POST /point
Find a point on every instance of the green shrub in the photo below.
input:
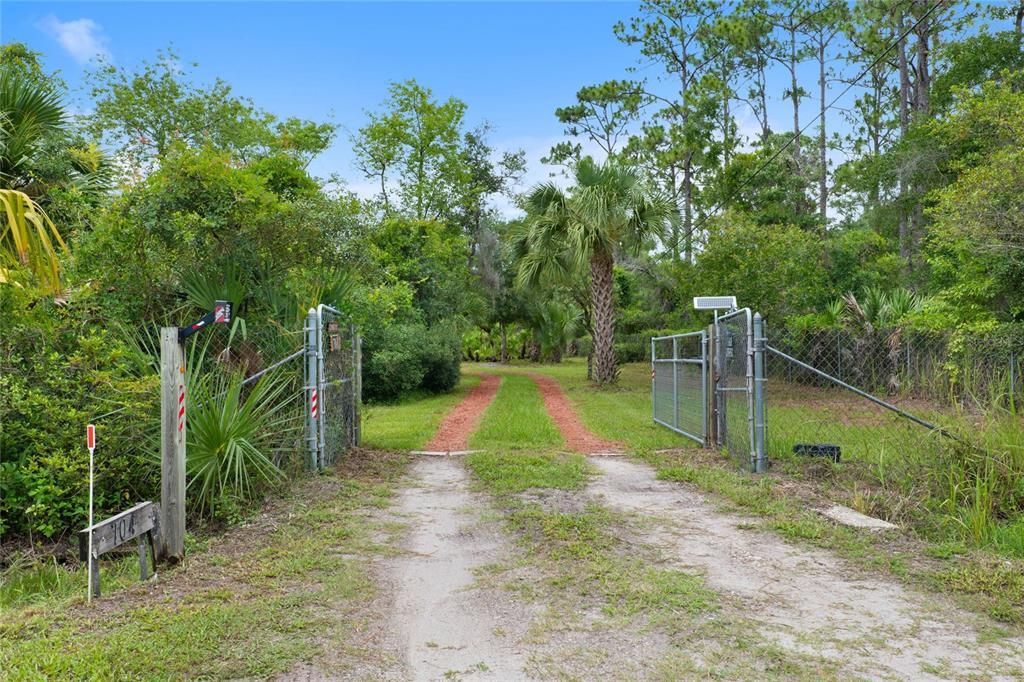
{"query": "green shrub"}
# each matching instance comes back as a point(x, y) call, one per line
point(391, 361)
point(59, 372)
point(441, 354)
point(403, 357)
point(233, 433)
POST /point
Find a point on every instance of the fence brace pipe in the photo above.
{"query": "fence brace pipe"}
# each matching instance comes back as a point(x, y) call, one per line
point(868, 396)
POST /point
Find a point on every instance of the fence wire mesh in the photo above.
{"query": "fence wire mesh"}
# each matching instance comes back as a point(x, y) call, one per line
point(678, 391)
point(918, 378)
point(338, 386)
point(734, 392)
point(972, 372)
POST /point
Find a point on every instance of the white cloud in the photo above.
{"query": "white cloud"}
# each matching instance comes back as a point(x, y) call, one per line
point(83, 38)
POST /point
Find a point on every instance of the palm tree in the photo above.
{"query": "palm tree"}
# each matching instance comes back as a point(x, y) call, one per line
point(28, 238)
point(609, 210)
point(28, 113)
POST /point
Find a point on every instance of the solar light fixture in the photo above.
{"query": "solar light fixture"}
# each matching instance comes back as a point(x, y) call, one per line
point(714, 303)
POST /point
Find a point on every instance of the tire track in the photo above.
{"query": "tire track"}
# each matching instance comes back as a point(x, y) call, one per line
point(455, 429)
point(577, 436)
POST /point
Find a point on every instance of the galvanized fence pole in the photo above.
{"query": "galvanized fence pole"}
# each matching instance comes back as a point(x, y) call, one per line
point(654, 392)
point(750, 390)
point(704, 385)
point(312, 392)
point(320, 386)
point(356, 386)
point(675, 381)
point(760, 458)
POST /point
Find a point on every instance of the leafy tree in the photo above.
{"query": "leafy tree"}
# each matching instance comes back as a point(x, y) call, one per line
point(415, 145)
point(431, 258)
point(426, 165)
point(674, 34)
point(767, 185)
point(602, 113)
point(774, 269)
point(609, 209)
point(976, 244)
point(145, 114)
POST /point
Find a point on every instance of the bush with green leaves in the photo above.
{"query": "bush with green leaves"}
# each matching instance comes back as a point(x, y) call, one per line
point(237, 435)
point(441, 357)
point(58, 372)
point(403, 357)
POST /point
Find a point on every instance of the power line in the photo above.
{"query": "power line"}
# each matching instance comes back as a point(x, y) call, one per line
point(721, 204)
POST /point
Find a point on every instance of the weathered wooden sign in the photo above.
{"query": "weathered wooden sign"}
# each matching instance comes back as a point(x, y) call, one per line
point(141, 522)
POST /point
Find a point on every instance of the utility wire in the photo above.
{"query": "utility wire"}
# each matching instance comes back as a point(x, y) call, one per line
point(721, 204)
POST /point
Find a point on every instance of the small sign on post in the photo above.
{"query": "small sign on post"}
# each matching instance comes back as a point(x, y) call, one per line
point(91, 572)
point(139, 523)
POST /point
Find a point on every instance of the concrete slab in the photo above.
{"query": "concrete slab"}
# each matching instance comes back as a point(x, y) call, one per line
point(854, 519)
point(443, 453)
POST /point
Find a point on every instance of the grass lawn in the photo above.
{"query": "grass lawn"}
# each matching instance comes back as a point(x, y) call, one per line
point(285, 588)
point(409, 424)
point(516, 419)
point(620, 413)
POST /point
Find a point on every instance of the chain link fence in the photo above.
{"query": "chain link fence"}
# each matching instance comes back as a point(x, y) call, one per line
point(969, 372)
point(333, 385)
point(865, 394)
point(679, 383)
point(878, 397)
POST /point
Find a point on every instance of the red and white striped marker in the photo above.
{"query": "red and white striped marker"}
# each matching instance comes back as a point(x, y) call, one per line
point(313, 403)
point(181, 407)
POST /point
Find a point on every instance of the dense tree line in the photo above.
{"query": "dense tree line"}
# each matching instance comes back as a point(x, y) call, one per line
point(897, 168)
point(174, 193)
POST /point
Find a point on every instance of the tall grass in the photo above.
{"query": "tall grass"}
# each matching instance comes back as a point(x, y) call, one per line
point(984, 498)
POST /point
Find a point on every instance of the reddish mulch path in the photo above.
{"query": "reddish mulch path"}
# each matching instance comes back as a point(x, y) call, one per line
point(577, 436)
point(454, 430)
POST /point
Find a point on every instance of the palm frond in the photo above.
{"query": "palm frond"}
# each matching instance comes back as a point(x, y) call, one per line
point(28, 112)
point(29, 238)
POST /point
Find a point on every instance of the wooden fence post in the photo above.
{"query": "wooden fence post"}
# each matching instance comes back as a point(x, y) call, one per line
point(172, 445)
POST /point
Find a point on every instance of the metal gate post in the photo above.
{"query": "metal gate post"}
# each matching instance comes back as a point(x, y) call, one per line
point(760, 457)
point(720, 419)
point(312, 393)
point(710, 362)
point(357, 393)
point(750, 392)
point(320, 384)
point(675, 382)
point(704, 384)
point(654, 392)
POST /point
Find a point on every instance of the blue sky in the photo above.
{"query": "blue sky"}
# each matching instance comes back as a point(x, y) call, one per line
point(512, 63)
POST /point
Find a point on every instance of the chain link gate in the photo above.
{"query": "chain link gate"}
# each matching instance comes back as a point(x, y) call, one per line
point(739, 387)
point(710, 387)
point(333, 371)
point(679, 383)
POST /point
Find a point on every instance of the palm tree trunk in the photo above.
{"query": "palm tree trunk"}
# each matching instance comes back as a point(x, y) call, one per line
point(605, 370)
